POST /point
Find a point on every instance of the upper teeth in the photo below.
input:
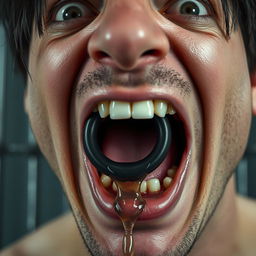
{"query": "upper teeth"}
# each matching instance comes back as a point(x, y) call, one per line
point(137, 110)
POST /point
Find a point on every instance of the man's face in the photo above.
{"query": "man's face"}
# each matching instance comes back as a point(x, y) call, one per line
point(96, 51)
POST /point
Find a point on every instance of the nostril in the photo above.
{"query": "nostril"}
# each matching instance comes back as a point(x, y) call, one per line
point(101, 55)
point(152, 53)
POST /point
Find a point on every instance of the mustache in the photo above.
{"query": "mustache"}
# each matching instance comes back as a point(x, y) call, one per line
point(157, 75)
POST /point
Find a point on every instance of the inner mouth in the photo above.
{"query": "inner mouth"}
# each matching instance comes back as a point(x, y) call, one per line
point(127, 140)
point(130, 140)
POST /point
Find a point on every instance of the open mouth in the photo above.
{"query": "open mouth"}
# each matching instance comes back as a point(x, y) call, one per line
point(128, 134)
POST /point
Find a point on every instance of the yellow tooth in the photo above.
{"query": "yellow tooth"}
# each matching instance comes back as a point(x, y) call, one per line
point(103, 109)
point(171, 172)
point(143, 187)
point(143, 109)
point(167, 182)
point(160, 108)
point(171, 110)
point(114, 186)
point(153, 185)
point(120, 110)
point(105, 180)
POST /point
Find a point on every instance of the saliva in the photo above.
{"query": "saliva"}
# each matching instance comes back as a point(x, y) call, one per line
point(128, 204)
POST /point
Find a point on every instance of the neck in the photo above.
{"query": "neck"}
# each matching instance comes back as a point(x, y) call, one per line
point(219, 236)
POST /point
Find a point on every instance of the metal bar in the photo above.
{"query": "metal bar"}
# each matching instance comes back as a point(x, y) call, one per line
point(65, 204)
point(242, 177)
point(1, 200)
point(31, 138)
point(2, 79)
point(2, 102)
point(19, 149)
point(32, 193)
point(33, 170)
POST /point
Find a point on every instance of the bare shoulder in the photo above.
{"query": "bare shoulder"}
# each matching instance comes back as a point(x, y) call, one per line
point(59, 237)
point(247, 225)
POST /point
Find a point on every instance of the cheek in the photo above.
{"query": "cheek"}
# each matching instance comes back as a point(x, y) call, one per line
point(229, 102)
point(236, 124)
point(54, 69)
point(60, 63)
point(47, 98)
point(39, 123)
point(219, 71)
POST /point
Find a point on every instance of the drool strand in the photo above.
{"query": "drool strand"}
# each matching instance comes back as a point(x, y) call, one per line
point(128, 204)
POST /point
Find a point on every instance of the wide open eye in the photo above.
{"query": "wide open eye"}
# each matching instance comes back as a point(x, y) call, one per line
point(72, 11)
point(185, 7)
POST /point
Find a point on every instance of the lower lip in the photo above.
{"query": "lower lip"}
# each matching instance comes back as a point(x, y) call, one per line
point(156, 206)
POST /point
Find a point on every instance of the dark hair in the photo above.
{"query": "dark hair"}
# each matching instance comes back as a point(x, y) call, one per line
point(18, 17)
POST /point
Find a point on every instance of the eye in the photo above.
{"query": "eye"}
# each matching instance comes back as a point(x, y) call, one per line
point(185, 7)
point(72, 11)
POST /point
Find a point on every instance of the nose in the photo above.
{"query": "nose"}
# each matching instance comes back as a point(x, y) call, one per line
point(128, 37)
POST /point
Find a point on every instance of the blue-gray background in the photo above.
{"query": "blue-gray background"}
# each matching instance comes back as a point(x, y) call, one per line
point(30, 194)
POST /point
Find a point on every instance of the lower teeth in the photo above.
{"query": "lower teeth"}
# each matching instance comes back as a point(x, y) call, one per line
point(151, 186)
point(167, 182)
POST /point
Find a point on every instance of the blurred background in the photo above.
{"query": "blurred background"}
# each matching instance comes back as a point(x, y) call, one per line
point(30, 194)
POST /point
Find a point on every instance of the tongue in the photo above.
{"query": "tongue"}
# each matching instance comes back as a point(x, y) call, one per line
point(130, 141)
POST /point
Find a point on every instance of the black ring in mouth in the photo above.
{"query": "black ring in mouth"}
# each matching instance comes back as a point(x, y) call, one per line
point(128, 171)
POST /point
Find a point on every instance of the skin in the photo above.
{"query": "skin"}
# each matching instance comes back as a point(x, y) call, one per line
point(219, 104)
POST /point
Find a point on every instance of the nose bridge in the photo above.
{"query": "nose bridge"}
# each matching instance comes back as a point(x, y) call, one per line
point(128, 36)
